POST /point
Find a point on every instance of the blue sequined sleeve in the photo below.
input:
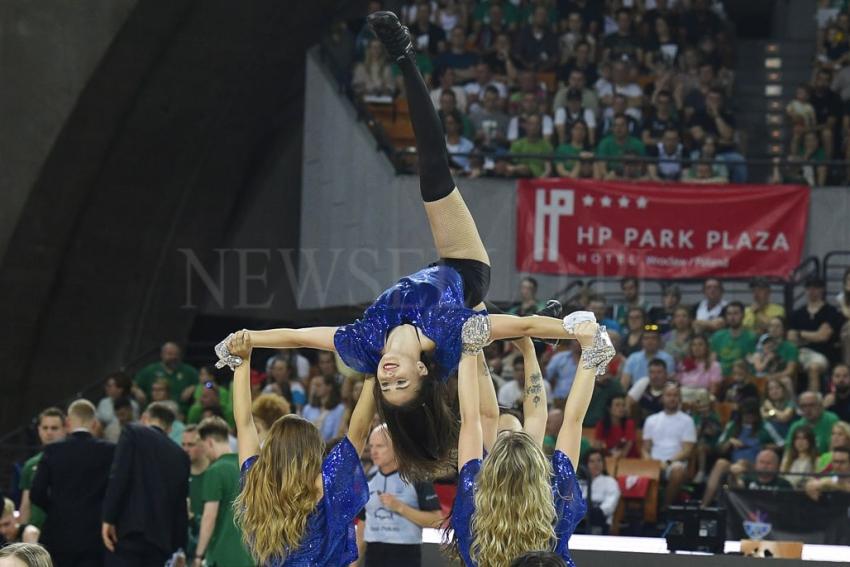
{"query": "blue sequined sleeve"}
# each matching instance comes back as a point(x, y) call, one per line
point(464, 508)
point(357, 346)
point(246, 466)
point(346, 488)
point(570, 507)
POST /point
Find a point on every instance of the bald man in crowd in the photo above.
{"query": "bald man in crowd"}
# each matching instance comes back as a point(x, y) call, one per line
point(764, 476)
point(70, 484)
point(397, 510)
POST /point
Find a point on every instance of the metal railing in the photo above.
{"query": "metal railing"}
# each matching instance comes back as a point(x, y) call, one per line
point(795, 287)
point(652, 290)
point(835, 265)
point(552, 156)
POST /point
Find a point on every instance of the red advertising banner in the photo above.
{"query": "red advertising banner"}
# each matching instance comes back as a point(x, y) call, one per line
point(652, 230)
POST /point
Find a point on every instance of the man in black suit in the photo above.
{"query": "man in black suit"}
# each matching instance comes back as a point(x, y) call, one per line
point(145, 517)
point(69, 484)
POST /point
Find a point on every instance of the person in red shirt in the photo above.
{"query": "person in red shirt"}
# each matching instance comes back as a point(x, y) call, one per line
point(615, 433)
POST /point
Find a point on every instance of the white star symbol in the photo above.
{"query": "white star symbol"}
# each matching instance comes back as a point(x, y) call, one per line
point(624, 202)
point(587, 200)
point(605, 201)
point(642, 202)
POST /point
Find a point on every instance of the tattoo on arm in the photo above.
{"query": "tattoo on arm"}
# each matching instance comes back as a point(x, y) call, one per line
point(535, 387)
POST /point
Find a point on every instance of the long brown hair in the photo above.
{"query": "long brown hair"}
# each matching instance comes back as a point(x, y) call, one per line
point(280, 490)
point(791, 453)
point(424, 430)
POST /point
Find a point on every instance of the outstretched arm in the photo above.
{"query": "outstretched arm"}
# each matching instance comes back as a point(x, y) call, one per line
point(569, 437)
point(511, 326)
point(534, 404)
point(361, 417)
point(321, 338)
point(246, 432)
point(489, 405)
point(470, 441)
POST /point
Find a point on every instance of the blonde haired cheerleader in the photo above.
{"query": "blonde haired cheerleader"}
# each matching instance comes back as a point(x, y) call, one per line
point(296, 507)
point(516, 500)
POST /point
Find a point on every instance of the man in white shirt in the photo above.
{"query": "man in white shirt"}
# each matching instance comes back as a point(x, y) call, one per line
point(513, 392)
point(669, 436)
point(709, 313)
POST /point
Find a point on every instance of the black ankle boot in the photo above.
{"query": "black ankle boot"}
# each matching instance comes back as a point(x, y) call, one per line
point(553, 308)
point(394, 36)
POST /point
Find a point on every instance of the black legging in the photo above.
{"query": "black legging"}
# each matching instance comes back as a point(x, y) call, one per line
point(435, 177)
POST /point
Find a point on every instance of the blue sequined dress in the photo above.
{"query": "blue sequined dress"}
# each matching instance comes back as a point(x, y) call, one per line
point(432, 300)
point(570, 507)
point(329, 537)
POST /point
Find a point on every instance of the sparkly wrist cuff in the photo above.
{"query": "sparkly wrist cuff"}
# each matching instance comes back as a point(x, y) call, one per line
point(600, 353)
point(576, 317)
point(475, 334)
point(224, 356)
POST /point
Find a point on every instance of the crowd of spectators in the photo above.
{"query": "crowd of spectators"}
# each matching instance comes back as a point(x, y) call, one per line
point(723, 393)
point(166, 435)
point(818, 113)
point(592, 82)
point(718, 392)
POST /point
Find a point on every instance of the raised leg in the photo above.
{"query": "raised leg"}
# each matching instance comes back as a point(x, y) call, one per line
point(452, 226)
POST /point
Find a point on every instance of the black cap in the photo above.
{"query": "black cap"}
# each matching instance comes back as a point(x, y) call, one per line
point(815, 281)
point(757, 283)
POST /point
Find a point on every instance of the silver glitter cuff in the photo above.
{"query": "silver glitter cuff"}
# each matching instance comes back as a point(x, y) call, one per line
point(576, 317)
point(224, 356)
point(475, 334)
point(600, 353)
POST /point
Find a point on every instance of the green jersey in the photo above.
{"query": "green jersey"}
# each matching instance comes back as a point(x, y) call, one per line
point(178, 379)
point(37, 515)
point(526, 146)
point(610, 148)
point(221, 484)
point(822, 428)
point(729, 348)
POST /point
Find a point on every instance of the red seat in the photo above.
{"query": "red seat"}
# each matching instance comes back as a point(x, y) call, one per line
point(446, 495)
